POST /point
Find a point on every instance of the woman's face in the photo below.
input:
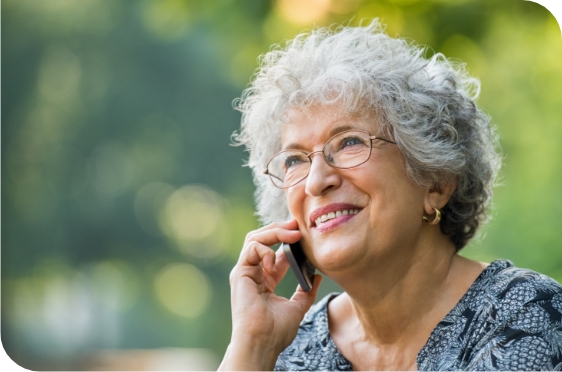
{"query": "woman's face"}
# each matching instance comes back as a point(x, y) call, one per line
point(390, 205)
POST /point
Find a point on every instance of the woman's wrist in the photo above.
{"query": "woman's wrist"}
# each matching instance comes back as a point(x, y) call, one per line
point(249, 355)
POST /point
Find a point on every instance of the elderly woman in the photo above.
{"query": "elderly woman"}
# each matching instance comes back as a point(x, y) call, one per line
point(386, 166)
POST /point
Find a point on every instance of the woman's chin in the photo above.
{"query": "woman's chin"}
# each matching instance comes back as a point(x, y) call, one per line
point(335, 259)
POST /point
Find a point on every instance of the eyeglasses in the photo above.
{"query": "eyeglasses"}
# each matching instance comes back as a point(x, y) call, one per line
point(344, 150)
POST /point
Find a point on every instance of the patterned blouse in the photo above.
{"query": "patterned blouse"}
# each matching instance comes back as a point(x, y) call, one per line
point(509, 319)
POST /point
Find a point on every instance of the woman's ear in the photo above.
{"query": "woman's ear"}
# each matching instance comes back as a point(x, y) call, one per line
point(438, 195)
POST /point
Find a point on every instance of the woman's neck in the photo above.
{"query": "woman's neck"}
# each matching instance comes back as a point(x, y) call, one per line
point(388, 302)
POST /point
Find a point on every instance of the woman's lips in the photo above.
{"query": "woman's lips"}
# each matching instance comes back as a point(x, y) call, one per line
point(333, 223)
point(334, 207)
point(337, 214)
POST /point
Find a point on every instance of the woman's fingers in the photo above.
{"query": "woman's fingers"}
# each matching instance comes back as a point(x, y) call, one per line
point(256, 247)
point(257, 253)
point(254, 262)
point(281, 265)
point(258, 261)
point(290, 225)
point(274, 236)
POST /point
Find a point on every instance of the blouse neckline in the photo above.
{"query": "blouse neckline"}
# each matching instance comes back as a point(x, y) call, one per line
point(493, 267)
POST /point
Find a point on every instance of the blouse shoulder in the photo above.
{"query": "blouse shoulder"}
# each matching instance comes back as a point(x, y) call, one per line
point(511, 318)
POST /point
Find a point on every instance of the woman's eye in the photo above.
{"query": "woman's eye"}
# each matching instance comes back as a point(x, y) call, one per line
point(291, 161)
point(351, 141)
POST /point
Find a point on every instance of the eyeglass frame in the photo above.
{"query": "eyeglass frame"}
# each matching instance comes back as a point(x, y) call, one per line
point(308, 155)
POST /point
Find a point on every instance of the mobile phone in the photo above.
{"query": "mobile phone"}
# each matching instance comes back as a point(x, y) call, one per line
point(303, 269)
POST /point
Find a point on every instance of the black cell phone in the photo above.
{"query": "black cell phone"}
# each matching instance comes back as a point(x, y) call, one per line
point(303, 269)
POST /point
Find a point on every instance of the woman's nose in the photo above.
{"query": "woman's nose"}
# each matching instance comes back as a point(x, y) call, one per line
point(321, 176)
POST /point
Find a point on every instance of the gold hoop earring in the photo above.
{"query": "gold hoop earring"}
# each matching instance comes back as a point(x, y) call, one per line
point(436, 219)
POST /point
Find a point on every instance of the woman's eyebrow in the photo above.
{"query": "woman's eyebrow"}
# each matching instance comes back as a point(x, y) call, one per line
point(333, 132)
point(341, 128)
point(292, 146)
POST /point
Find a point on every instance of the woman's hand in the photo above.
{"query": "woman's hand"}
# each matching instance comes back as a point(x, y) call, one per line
point(264, 324)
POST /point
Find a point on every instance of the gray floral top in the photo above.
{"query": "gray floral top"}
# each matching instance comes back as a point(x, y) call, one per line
point(509, 319)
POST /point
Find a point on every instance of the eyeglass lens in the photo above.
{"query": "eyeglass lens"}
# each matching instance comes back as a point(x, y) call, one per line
point(345, 150)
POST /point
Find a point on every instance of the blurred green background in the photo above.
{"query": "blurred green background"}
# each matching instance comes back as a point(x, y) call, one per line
point(123, 205)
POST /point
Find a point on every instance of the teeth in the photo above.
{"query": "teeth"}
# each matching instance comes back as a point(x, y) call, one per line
point(332, 215)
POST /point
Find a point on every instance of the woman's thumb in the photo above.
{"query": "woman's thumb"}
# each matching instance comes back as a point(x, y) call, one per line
point(306, 299)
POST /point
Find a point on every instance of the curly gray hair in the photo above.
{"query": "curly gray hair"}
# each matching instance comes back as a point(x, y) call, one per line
point(427, 107)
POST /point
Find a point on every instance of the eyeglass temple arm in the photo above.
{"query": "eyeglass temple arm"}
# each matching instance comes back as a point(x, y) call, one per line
point(382, 139)
point(271, 175)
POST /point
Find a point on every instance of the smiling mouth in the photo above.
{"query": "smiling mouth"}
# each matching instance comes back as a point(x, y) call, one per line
point(331, 215)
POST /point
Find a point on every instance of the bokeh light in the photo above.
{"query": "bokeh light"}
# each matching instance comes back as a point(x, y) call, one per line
point(150, 200)
point(61, 311)
point(183, 289)
point(192, 212)
point(303, 11)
